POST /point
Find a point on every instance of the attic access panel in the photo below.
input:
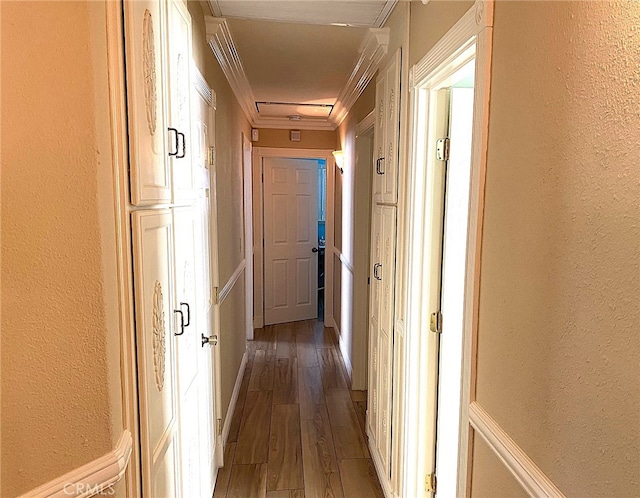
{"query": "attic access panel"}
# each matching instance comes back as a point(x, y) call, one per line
point(289, 109)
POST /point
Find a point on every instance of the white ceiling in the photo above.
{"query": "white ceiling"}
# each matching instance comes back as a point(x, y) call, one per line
point(295, 53)
point(363, 13)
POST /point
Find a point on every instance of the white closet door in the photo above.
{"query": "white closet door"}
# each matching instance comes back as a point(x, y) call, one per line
point(389, 166)
point(373, 399)
point(153, 264)
point(387, 274)
point(379, 138)
point(144, 22)
point(187, 317)
point(179, 110)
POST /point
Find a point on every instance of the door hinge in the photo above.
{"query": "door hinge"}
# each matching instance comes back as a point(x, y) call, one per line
point(443, 146)
point(436, 322)
point(211, 156)
point(430, 483)
point(219, 426)
point(216, 295)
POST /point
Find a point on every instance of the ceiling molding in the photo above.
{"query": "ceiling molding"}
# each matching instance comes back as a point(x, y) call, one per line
point(372, 51)
point(221, 42)
point(384, 13)
point(214, 7)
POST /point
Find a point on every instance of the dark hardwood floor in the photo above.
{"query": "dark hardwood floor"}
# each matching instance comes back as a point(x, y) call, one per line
point(297, 431)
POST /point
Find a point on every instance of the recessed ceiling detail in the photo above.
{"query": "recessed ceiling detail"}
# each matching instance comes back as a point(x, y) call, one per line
point(362, 13)
point(297, 111)
point(313, 74)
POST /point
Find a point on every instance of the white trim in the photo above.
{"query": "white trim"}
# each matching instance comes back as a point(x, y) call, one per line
point(93, 477)
point(370, 55)
point(221, 42)
point(234, 399)
point(228, 287)
point(201, 85)
point(471, 24)
point(383, 479)
point(214, 7)
point(122, 218)
point(517, 462)
point(343, 259)
point(385, 12)
point(247, 189)
point(367, 123)
point(343, 352)
point(259, 153)
point(474, 28)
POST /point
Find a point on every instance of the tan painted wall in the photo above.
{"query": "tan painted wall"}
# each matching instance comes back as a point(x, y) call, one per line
point(230, 124)
point(559, 301)
point(431, 22)
point(309, 139)
point(559, 347)
point(60, 350)
point(352, 199)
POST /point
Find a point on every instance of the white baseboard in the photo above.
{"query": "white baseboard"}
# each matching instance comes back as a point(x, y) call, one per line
point(234, 399)
point(385, 483)
point(92, 478)
point(343, 352)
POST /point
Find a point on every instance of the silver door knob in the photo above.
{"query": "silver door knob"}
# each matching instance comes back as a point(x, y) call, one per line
point(211, 340)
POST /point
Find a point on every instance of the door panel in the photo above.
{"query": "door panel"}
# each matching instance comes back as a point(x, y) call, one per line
point(145, 69)
point(153, 262)
point(389, 192)
point(188, 344)
point(179, 112)
point(379, 137)
point(290, 234)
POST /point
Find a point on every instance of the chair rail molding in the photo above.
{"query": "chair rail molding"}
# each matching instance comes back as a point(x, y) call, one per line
point(92, 478)
point(517, 462)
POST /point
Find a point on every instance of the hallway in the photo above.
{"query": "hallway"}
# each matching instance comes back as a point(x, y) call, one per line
point(297, 430)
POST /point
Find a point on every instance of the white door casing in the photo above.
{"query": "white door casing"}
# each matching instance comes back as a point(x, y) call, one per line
point(290, 236)
point(146, 85)
point(159, 431)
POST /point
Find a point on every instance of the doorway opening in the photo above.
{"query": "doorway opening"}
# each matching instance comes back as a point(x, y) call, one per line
point(450, 97)
point(293, 220)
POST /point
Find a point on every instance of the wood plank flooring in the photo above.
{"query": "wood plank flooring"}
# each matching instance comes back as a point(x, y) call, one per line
point(297, 430)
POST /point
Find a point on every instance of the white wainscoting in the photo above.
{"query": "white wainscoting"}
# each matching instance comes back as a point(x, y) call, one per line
point(92, 478)
point(527, 473)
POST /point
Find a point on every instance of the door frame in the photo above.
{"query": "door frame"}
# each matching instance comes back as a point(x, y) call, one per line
point(473, 29)
point(247, 185)
point(259, 153)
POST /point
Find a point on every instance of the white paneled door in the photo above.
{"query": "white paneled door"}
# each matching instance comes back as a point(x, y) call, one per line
point(153, 279)
point(290, 239)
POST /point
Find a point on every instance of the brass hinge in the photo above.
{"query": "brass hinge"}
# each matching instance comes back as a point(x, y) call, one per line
point(216, 295)
point(430, 483)
point(443, 147)
point(212, 156)
point(219, 426)
point(436, 322)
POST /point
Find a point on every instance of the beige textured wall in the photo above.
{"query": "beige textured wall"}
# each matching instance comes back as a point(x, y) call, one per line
point(431, 22)
point(60, 380)
point(309, 139)
point(559, 345)
point(351, 200)
point(230, 124)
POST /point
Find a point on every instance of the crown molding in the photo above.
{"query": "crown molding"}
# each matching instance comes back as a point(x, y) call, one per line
point(370, 55)
point(371, 52)
point(384, 13)
point(221, 42)
point(214, 7)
